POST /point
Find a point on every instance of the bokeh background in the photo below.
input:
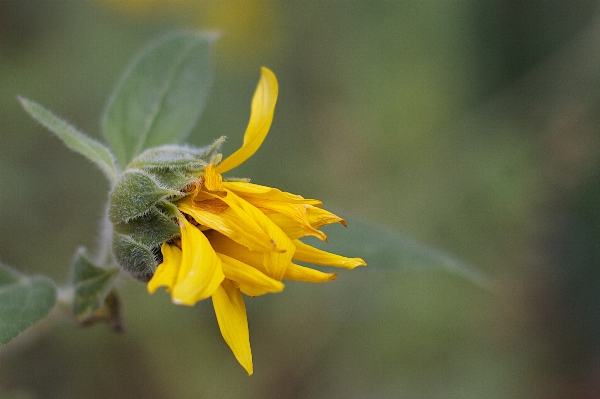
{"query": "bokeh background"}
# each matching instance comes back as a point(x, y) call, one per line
point(472, 126)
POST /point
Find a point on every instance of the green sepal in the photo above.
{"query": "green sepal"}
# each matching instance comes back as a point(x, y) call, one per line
point(211, 152)
point(74, 139)
point(134, 194)
point(134, 257)
point(174, 179)
point(169, 209)
point(161, 96)
point(150, 229)
point(92, 286)
point(172, 157)
point(216, 159)
point(24, 300)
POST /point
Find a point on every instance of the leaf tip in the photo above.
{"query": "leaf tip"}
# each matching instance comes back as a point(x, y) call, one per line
point(22, 100)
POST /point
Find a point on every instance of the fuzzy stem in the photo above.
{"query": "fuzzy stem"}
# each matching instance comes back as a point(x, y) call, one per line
point(105, 248)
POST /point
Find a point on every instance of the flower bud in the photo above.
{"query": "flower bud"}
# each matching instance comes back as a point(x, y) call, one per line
point(141, 205)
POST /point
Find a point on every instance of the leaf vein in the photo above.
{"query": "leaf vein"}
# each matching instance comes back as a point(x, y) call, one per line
point(153, 116)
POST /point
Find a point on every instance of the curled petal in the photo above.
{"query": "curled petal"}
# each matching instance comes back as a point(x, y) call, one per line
point(275, 261)
point(314, 218)
point(318, 217)
point(201, 271)
point(233, 322)
point(234, 250)
point(293, 229)
point(247, 225)
point(212, 180)
point(296, 212)
point(307, 275)
point(307, 253)
point(233, 222)
point(248, 279)
point(166, 273)
point(250, 190)
point(261, 116)
point(225, 245)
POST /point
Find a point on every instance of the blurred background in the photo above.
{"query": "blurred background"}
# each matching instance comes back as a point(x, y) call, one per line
point(472, 126)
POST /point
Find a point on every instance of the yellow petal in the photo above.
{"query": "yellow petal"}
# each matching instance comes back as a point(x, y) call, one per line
point(201, 272)
point(166, 273)
point(234, 250)
point(225, 245)
point(233, 322)
point(248, 279)
point(212, 180)
point(261, 116)
point(275, 261)
point(307, 275)
point(294, 229)
point(247, 225)
point(296, 212)
point(307, 253)
point(250, 190)
point(231, 221)
point(318, 217)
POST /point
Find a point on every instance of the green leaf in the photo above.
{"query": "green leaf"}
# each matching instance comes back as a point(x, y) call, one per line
point(74, 139)
point(389, 250)
point(161, 96)
point(109, 313)
point(23, 301)
point(92, 285)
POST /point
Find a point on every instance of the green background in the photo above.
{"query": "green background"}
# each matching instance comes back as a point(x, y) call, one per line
point(468, 125)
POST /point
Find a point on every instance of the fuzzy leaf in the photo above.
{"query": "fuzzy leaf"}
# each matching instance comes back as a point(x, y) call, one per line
point(23, 301)
point(170, 157)
point(151, 229)
point(134, 194)
point(134, 257)
point(74, 139)
point(169, 209)
point(161, 96)
point(173, 179)
point(92, 285)
point(109, 313)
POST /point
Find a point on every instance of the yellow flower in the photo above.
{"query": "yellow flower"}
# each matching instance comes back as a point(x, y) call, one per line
point(238, 237)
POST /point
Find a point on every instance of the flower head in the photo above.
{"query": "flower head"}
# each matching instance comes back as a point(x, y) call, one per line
point(221, 238)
